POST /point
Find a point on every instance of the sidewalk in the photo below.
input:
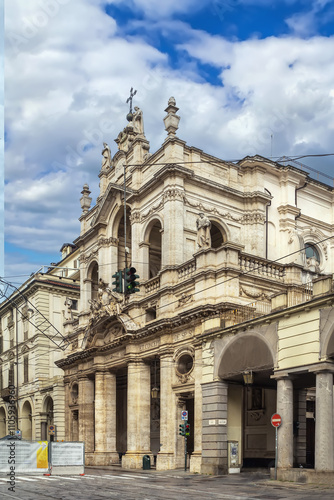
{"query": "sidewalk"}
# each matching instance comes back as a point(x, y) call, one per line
point(260, 477)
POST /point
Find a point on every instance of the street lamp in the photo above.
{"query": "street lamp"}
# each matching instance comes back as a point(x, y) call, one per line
point(155, 389)
point(248, 377)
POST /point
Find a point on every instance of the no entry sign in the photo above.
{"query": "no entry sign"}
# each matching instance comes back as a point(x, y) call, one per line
point(276, 420)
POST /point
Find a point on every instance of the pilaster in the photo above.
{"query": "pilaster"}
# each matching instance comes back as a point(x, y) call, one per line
point(105, 419)
point(214, 427)
point(86, 413)
point(166, 456)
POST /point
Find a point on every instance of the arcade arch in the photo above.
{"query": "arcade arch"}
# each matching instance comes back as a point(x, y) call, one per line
point(26, 421)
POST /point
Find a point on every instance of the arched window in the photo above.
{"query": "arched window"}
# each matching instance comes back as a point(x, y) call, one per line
point(155, 249)
point(121, 241)
point(311, 252)
point(94, 278)
point(217, 238)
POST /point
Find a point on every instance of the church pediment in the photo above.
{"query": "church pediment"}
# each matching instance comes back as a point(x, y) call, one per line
point(105, 203)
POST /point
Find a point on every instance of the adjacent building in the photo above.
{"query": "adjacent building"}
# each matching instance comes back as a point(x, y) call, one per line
point(31, 340)
point(216, 245)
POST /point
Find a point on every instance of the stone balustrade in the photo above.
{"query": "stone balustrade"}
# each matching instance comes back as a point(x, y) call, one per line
point(187, 269)
point(152, 285)
point(251, 264)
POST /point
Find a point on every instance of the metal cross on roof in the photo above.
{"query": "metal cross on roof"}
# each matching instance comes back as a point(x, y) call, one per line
point(129, 99)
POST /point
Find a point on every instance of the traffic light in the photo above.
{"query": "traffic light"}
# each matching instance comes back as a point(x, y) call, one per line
point(118, 282)
point(187, 430)
point(182, 429)
point(130, 280)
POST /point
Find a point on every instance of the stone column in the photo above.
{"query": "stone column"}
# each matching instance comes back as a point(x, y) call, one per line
point(285, 431)
point(324, 445)
point(138, 415)
point(166, 456)
point(86, 414)
point(214, 427)
point(105, 419)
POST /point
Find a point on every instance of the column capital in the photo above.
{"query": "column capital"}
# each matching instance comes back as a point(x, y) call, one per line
point(325, 366)
point(281, 375)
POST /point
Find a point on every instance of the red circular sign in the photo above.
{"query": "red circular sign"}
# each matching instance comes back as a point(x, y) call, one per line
point(276, 420)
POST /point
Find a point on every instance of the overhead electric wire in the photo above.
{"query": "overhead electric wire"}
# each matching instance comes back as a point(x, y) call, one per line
point(243, 273)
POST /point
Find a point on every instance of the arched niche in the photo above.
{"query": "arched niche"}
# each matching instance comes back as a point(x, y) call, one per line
point(26, 421)
point(249, 352)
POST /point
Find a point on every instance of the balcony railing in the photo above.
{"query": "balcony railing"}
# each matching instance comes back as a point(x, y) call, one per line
point(187, 269)
point(254, 265)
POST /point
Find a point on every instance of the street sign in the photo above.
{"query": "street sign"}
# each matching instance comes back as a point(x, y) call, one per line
point(276, 420)
point(184, 415)
point(52, 430)
point(18, 434)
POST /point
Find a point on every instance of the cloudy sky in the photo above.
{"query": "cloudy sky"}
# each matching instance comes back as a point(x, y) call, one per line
point(249, 76)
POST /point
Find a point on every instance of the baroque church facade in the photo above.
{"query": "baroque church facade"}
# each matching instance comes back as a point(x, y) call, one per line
point(216, 244)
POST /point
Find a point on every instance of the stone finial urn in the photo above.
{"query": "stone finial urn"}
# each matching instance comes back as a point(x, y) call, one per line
point(85, 199)
point(172, 119)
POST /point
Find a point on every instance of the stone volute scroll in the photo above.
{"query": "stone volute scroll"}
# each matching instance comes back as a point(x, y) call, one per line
point(203, 231)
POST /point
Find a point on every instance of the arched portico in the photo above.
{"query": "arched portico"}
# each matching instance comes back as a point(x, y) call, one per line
point(26, 420)
point(234, 410)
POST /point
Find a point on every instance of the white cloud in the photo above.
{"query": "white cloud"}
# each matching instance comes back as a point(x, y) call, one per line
point(66, 87)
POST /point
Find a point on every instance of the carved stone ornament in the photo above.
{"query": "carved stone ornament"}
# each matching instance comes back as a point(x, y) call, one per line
point(253, 294)
point(108, 303)
point(212, 210)
point(256, 414)
point(181, 402)
point(185, 299)
point(113, 333)
point(84, 258)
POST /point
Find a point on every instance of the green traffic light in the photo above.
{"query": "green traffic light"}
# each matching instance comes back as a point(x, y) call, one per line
point(130, 280)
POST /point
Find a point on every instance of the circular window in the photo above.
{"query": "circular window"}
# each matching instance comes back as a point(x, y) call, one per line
point(185, 364)
point(311, 252)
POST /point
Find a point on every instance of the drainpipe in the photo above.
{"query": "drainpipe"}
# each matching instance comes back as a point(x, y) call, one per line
point(297, 189)
point(267, 210)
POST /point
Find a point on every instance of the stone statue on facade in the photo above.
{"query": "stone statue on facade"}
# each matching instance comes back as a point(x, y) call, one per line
point(203, 231)
point(106, 160)
point(138, 124)
point(68, 314)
